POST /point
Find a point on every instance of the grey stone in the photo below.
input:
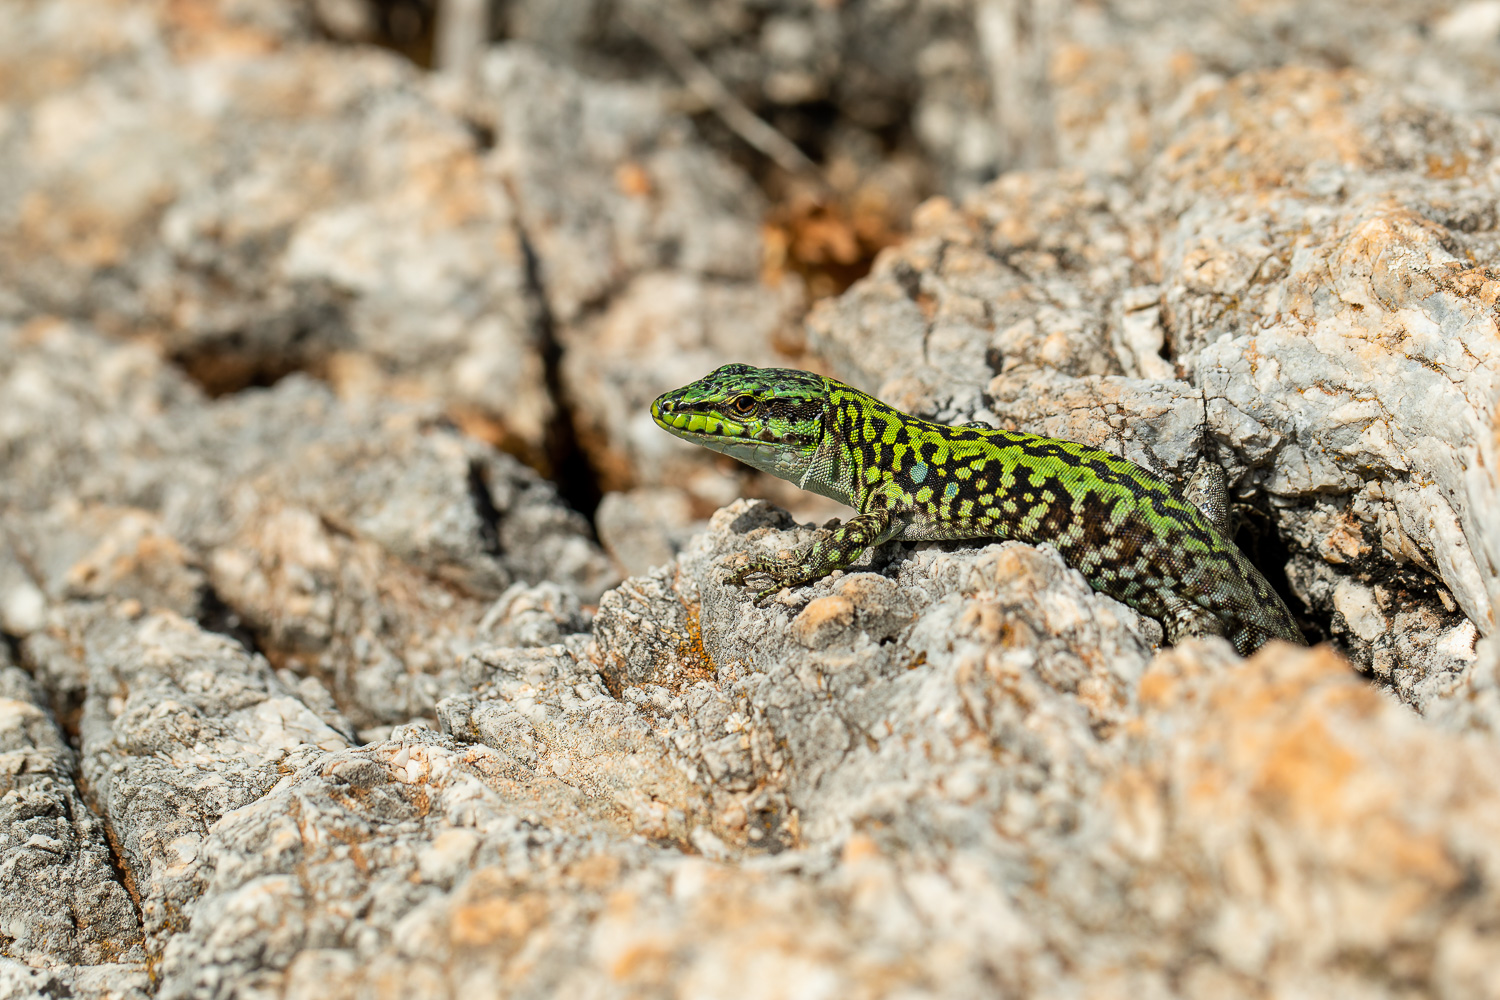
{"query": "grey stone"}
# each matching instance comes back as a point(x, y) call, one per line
point(321, 210)
point(63, 902)
point(1337, 377)
point(181, 727)
point(951, 770)
point(642, 529)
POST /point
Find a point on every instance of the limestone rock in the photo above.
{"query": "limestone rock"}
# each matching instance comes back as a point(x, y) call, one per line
point(64, 903)
point(308, 690)
point(1327, 337)
point(257, 206)
point(284, 517)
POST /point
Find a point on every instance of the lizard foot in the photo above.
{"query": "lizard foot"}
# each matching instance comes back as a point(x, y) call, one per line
point(783, 573)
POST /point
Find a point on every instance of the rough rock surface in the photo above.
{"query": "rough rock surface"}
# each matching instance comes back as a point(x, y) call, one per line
point(53, 847)
point(253, 204)
point(647, 249)
point(536, 246)
point(281, 515)
point(1316, 316)
point(952, 770)
point(309, 691)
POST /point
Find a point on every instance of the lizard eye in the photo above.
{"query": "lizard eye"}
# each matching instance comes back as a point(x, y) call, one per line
point(742, 405)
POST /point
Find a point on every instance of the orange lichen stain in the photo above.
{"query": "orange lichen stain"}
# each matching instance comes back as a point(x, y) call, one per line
point(1354, 700)
point(1278, 676)
point(1069, 62)
point(632, 179)
point(595, 872)
point(1158, 689)
point(497, 919)
point(37, 331)
point(860, 847)
point(821, 612)
point(647, 959)
point(1183, 65)
point(1391, 848)
point(1443, 169)
point(448, 191)
point(1304, 775)
point(1479, 283)
point(352, 841)
point(693, 662)
point(937, 213)
point(198, 29)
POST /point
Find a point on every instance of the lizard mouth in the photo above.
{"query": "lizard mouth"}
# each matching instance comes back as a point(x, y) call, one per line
point(697, 425)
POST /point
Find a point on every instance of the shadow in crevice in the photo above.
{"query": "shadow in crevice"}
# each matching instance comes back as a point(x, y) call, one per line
point(216, 615)
point(1268, 552)
point(572, 473)
point(484, 507)
point(10, 646)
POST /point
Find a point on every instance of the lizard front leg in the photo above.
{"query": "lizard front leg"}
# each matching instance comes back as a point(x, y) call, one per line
point(1184, 619)
point(835, 550)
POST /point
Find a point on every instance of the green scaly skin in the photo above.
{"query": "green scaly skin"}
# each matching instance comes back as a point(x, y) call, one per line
point(1131, 534)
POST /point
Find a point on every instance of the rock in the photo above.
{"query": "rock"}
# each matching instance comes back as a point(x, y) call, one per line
point(647, 245)
point(879, 766)
point(610, 184)
point(64, 902)
point(1023, 277)
point(179, 728)
point(1302, 290)
point(78, 404)
point(307, 690)
point(530, 616)
point(105, 982)
point(284, 517)
point(917, 67)
point(642, 529)
point(268, 208)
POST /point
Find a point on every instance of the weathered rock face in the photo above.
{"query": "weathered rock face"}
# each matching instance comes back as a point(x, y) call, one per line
point(950, 770)
point(253, 206)
point(309, 691)
point(360, 544)
point(1313, 315)
point(53, 848)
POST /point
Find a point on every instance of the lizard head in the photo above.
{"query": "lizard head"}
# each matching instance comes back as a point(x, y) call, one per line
point(771, 418)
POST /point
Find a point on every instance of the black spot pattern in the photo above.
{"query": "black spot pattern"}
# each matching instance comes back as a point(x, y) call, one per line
point(1128, 531)
point(1131, 534)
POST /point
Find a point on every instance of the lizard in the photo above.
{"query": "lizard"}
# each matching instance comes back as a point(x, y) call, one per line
point(1131, 533)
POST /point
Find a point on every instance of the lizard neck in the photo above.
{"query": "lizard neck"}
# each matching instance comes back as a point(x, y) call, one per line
point(829, 472)
point(838, 466)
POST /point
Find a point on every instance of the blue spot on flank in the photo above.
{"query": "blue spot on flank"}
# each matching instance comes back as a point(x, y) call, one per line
point(918, 471)
point(951, 491)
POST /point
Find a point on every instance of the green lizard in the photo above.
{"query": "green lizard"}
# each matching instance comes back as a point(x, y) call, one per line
point(1131, 534)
